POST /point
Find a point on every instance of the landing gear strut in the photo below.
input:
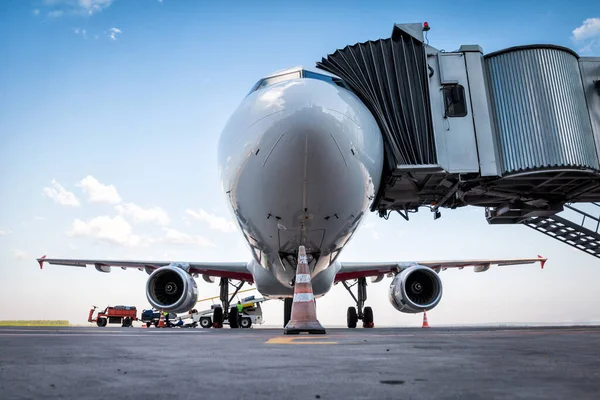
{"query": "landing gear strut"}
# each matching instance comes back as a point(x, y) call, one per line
point(354, 314)
point(219, 317)
point(287, 310)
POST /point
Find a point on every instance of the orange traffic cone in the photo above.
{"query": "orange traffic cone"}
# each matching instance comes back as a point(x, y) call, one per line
point(425, 323)
point(161, 320)
point(304, 312)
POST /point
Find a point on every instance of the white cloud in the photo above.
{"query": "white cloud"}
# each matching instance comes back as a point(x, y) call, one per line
point(139, 214)
point(60, 195)
point(174, 236)
point(98, 192)
point(113, 32)
point(215, 222)
point(82, 31)
point(19, 254)
point(113, 230)
point(588, 35)
point(4, 232)
point(38, 218)
point(36, 12)
point(589, 29)
point(79, 7)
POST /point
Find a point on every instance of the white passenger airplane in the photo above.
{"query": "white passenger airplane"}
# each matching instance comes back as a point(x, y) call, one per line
point(300, 162)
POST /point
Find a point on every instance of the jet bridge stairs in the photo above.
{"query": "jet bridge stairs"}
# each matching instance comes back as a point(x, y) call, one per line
point(516, 131)
point(579, 229)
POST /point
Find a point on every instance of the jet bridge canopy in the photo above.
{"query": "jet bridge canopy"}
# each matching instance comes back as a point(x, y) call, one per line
point(516, 131)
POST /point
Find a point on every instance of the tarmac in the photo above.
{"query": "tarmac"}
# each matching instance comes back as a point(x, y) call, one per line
point(380, 363)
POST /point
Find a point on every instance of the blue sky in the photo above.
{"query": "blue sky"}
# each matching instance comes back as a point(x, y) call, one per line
point(120, 103)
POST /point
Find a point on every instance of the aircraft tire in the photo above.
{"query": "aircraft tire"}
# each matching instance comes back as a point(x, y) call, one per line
point(218, 317)
point(351, 317)
point(233, 318)
point(368, 318)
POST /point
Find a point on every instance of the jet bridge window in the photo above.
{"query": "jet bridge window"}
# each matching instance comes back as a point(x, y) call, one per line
point(455, 102)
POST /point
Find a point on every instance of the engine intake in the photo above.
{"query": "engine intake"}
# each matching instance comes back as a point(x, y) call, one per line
point(415, 289)
point(171, 289)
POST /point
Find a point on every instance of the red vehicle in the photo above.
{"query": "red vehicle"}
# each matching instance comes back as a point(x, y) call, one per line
point(124, 315)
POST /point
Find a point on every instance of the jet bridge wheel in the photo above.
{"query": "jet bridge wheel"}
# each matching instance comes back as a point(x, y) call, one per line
point(352, 317)
point(368, 318)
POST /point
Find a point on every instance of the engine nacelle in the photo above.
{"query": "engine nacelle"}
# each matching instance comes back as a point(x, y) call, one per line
point(415, 289)
point(172, 289)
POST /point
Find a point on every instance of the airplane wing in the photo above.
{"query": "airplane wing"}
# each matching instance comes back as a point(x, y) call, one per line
point(355, 270)
point(233, 270)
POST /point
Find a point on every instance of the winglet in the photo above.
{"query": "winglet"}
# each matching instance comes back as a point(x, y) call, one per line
point(542, 261)
point(41, 262)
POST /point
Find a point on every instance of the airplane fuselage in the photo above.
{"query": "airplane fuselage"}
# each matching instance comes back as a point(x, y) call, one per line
point(300, 162)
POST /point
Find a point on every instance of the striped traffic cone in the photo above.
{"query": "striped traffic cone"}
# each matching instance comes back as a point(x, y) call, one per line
point(425, 323)
point(304, 313)
point(161, 320)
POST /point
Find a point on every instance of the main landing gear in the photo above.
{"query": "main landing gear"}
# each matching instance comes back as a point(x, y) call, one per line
point(225, 312)
point(287, 310)
point(354, 314)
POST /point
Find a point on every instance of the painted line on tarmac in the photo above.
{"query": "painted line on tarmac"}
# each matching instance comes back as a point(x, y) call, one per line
point(297, 340)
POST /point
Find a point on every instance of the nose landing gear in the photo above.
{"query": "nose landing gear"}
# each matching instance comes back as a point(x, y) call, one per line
point(354, 314)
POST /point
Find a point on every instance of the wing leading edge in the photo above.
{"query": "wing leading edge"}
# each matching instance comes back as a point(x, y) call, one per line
point(231, 270)
point(355, 270)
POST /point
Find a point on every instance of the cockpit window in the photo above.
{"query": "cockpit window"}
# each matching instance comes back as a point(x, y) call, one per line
point(326, 78)
point(275, 79)
point(309, 74)
point(295, 75)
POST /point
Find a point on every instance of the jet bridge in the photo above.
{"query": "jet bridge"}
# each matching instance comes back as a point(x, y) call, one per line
point(516, 131)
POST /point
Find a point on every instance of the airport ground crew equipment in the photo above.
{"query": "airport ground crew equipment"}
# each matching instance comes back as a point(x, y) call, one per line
point(251, 314)
point(304, 313)
point(152, 317)
point(124, 315)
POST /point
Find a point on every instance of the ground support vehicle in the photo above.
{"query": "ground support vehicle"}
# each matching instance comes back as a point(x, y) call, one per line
point(251, 315)
point(124, 315)
point(152, 317)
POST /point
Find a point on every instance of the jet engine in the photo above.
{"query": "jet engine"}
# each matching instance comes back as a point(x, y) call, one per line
point(415, 289)
point(172, 288)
